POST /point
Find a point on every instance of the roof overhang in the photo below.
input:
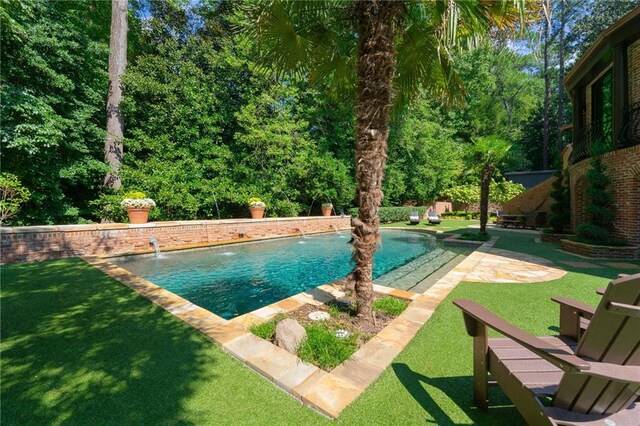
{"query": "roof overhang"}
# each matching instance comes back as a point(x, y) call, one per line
point(600, 53)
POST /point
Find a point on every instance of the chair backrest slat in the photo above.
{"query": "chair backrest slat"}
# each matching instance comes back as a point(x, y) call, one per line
point(612, 338)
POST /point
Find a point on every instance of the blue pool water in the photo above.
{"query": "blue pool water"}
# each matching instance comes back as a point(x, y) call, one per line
point(235, 279)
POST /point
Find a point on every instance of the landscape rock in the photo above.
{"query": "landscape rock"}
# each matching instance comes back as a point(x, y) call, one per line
point(289, 335)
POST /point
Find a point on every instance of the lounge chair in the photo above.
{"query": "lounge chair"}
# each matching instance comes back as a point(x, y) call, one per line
point(414, 218)
point(433, 217)
point(594, 381)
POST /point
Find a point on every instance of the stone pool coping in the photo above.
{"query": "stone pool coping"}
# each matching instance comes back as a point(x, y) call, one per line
point(327, 392)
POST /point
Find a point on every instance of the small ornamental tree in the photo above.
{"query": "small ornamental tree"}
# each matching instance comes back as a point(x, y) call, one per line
point(560, 216)
point(465, 195)
point(12, 196)
point(597, 230)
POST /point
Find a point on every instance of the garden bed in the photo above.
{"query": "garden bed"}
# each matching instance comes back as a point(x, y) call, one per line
point(600, 252)
point(321, 347)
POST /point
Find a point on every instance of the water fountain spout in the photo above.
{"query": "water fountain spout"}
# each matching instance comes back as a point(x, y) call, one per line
point(241, 233)
point(302, 232)
point(154, 242)
point(335, 228)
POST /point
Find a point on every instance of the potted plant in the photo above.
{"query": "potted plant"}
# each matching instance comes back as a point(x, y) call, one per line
point(257, 207)
point(326, 209)
point(137, 206)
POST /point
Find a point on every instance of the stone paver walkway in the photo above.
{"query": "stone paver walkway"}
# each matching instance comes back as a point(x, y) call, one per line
point(504, 266)
point(331, 392)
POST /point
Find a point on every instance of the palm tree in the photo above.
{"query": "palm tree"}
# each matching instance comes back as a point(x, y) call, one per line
point(392, 49)
point(488, 153)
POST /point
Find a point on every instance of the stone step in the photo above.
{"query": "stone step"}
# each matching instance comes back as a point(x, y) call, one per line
point(403, 270)
point(411, 279)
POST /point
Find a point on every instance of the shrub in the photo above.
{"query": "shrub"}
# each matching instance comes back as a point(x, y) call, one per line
point(597, 229)
point(390, 305)
point(13, 194)
point(107, 207)
point(393, 214)
point(560, 216)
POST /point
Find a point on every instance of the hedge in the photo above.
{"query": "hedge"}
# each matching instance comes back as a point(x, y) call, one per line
point(393, 214)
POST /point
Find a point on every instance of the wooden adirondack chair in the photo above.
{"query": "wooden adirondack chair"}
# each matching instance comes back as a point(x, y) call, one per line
point(575, 316)
point(594, 381)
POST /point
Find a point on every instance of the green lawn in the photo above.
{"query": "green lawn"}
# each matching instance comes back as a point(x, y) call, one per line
point(447, 225)
point(80, 348)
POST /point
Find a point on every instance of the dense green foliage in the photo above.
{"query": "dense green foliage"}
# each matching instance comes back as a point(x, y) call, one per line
point(54, 80)
point(206, 128)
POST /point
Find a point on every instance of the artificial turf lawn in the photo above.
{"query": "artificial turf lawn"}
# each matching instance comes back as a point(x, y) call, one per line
point(446, 225)
point(79, 348)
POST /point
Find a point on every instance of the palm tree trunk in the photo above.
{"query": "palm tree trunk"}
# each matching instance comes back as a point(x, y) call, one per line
point(117, 64)
point(485, 182)
point(376, 68)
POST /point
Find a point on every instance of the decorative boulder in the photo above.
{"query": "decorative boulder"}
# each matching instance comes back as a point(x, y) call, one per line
point(289, 335)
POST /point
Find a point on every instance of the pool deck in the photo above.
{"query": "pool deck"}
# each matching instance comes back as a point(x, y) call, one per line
point(331, 392)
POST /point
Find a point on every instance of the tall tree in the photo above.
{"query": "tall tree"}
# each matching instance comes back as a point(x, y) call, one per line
point(546, 133)
point(561, 53)
point(113, 146)
point(396, 45)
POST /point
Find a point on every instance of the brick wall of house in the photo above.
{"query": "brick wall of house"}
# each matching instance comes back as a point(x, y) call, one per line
point(36, 243)
point(624, 169)
point(536, 199)
point(633, 61)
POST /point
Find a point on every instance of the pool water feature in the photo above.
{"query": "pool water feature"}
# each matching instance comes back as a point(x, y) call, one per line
point(235, 279)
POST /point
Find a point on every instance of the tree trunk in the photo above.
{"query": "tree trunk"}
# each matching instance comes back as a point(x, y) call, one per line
point(376, 68)
point(485, 182)
point(563, 24)
point(547, 86)
point(117, 65)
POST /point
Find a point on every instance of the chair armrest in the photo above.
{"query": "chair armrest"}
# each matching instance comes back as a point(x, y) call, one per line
point(583, 309)
point(617, 372)
point(600, 291)
point(475, 313)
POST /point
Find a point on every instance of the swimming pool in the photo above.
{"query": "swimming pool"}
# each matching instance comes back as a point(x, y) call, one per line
point(235, 279)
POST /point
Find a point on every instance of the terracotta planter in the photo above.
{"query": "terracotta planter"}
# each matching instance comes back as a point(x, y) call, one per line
point(257, 212)
point(138, 215)
point(326, 211)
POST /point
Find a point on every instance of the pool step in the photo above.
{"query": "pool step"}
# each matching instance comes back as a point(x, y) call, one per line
point(400, 272)
point(416, 276)
point(429, 281)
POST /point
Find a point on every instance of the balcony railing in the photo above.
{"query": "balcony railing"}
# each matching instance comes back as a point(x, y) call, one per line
point(594, 133)
point(630, 132)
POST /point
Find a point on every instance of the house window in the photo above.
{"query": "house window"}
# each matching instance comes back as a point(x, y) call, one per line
point(602, 110)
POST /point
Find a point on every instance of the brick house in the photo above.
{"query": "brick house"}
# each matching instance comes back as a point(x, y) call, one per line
point(604, 88)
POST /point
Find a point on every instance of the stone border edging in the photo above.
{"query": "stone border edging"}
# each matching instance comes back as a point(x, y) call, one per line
point(329, 393)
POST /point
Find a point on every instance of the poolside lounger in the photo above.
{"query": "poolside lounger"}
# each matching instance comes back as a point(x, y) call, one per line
point(594, 381)
point(433, 217)
point(414, 218)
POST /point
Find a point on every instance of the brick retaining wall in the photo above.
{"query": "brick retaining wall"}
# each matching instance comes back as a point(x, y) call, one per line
point(602, 252)
point(36, 243)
